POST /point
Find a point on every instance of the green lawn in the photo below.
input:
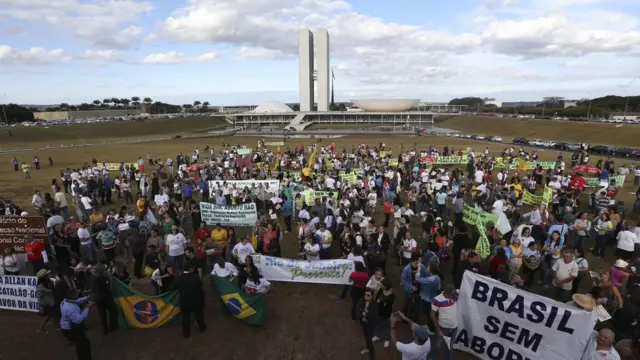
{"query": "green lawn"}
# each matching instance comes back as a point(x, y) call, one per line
point(20, 137)
point(569, 131)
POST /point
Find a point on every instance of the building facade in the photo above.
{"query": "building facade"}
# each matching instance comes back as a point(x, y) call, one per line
point(305, 61)
point(322, 52)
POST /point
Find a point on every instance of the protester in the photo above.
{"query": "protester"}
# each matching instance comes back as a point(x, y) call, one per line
point(420, 346)
point(103, 298)
point(444, 317)
point(72, 322)
point(44, 294)
point(367, 313)
point(191, 293)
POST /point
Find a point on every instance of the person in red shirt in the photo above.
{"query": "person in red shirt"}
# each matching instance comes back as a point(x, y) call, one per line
point(36, 253)
point(359, 278)
point(388, 209)
point(269, 236)
point(202, 232)
point(578, 183)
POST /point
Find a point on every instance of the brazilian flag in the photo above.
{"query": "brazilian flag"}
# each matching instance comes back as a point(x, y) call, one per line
point(142, 311)
point(247, 308)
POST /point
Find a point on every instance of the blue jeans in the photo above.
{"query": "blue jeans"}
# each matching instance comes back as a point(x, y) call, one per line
point(437, 347)
point(65, 212)
point(601, 241)
point(87, 251)
point(383, 330)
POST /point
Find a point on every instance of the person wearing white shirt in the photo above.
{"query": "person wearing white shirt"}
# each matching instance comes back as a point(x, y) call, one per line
point(175, 242)
point(224, 269)
point(478, 176)
point(242, 250)
point(311, 249)
point(9, 263)
point(626, 244)
point(409, 246)
point(257, 285)
point(600, 346)
point(330, 183)
point(36, 201)
point(304, 214)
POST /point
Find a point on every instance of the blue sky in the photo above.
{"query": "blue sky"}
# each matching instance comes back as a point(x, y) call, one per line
point(244, 51)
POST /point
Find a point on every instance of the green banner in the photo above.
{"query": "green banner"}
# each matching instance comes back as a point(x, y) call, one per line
point(311, 195)
point(483, 247)
point(444, 160)
point(141, 311)
point(471, 216)
point(594, 182)
point(250, 309)
point(248, 151)
point(274, 143)
point(350, 178)
point(531, 199)
point(393, 162)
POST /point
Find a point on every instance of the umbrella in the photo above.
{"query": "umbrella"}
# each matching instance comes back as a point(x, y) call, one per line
point(587, 169)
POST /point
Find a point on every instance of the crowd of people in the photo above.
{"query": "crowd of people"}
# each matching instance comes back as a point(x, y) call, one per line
point(391, 213)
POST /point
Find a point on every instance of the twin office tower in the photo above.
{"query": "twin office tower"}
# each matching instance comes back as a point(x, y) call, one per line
point(305, 44)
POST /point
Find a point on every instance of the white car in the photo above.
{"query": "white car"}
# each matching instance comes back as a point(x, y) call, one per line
point(496, 138)
point(535, 142)
point(548, 144)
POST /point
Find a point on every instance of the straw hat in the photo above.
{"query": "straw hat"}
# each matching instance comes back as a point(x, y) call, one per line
point(621, 264)
point(42, 273)
point(585, 302)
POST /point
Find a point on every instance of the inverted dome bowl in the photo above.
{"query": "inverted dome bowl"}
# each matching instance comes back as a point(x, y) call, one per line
point(385, 105)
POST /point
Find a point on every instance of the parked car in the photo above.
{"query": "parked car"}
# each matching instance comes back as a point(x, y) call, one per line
point(548, 143)
point(521, 141)
point(625, 152)
point(495, 138)
point(573, 147)
point(601, 149)
point(535, 142)
point(560, 145)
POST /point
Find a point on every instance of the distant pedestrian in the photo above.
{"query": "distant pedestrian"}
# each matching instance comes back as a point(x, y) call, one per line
point(191, 298)
point(25, 170)
point(14, 161)
point(50, 162)
point(36, 162)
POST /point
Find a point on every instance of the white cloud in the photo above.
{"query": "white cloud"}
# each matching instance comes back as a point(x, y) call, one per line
point(375, 52)
point(248, 53)
point(101, 57)
point(177, 58)
point(573, 64)
point(11, 56)
point(99, 22)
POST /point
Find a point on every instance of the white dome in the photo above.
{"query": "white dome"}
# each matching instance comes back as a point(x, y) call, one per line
point(385, 105)
point(272, 107)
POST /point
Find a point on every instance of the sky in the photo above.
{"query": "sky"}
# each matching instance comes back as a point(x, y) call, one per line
point(242, 52)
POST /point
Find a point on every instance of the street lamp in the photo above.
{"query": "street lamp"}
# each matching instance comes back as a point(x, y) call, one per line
point(589, 108)
point(4, 112)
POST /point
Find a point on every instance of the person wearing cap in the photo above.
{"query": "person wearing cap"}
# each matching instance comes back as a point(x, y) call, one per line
point(582, 301)
point(176, 243)
point(420, 346)
point(444, 317)
point(44, 294)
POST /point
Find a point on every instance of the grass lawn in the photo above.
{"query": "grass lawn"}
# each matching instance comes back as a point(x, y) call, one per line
point(290, 308)
point(21, 137)
point(569, 131)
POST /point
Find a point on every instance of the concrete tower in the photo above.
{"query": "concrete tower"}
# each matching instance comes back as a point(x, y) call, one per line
point(305, 61)
point(322, 52)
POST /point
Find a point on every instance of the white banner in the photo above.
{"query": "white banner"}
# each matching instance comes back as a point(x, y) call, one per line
point(302, 271)
point(497, 321)
point(272, 186)
point(229, 215)
point(19, 293)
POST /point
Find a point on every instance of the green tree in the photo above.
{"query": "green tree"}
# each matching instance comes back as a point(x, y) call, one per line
point(147, 100)
point(116, 102)
point(107, 102)
point(469, 101)
point(125, 102)
point(162, 108)
point(97, 103)
point(15, 114)
point(197, 103)
point(135, 100)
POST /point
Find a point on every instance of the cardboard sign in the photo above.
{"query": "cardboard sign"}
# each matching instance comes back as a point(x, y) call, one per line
point(14, 229)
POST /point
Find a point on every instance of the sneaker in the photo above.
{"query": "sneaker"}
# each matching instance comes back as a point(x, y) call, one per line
point(375, 338)
point(386, 344)
point(364, 351)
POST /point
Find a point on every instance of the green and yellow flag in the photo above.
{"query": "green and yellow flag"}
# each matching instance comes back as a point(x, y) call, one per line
point(247, 308)
point(142, 311)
